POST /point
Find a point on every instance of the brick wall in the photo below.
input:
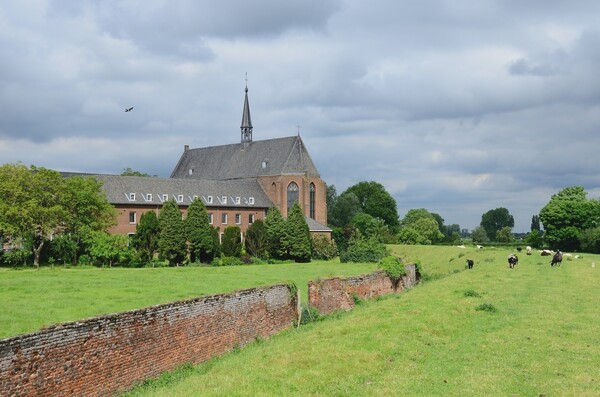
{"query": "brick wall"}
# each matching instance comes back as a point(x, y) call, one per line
point(107, 354)
point(338, 293)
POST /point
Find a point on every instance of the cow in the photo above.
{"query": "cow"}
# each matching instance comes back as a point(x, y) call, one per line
point(470, 263)
point(513, 260)
point(556, 259)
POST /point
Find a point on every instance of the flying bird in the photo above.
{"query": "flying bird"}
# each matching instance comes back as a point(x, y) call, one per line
point(128, 109)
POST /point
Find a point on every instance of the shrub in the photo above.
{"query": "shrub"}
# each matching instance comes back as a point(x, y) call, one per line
point(323, 248)
point(362, 250)
point(232, 241)
point(393, 268)
point(486, 307)
point(227, 261)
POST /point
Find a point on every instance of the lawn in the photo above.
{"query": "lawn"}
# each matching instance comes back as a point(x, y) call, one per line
point(490, 331)
point(34, 299)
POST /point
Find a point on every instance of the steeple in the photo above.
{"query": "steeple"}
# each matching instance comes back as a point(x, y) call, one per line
point(246, 121)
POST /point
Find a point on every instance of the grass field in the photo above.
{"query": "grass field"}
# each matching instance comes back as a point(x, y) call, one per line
point(33, 299)
point(490, 331)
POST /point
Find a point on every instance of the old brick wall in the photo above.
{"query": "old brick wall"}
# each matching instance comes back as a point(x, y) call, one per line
point(338, 293)
point(107, 354)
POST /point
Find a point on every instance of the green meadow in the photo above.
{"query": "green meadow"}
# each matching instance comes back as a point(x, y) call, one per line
point(33, 299)
point(489, 331)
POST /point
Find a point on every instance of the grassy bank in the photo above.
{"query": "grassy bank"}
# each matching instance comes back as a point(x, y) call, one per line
point(33, 299)
point(487, 331)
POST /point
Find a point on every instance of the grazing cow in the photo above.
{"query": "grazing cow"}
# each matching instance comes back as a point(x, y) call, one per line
point(528, 248)
point(513, 260)
point(470, 263)
point(556, 259)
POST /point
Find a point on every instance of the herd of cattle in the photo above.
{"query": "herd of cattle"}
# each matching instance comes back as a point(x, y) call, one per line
point(513, 259)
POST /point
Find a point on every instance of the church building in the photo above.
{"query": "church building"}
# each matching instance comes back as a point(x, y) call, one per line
point(237, 183)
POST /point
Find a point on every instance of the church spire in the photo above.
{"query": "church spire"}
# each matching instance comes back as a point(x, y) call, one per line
point(246, 121)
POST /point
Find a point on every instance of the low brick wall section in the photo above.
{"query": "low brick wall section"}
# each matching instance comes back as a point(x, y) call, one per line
point(103, 355)
point(338, 293)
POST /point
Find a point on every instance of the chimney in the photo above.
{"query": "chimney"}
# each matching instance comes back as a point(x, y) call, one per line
point(186, 148)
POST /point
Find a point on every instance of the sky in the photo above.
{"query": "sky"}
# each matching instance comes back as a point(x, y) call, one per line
point(458, 107)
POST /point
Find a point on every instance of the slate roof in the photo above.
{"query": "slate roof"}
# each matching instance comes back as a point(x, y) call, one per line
point(315, 226)
point(278, 156)
point(129, 190)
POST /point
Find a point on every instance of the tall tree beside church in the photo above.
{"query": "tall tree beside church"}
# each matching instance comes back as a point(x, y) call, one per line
point(257, 240)
point(232, 242)
point(172, 242)
point(145, 239)
point(275, 225)
point(198, 233)
point(297, 236)
point(376, 201)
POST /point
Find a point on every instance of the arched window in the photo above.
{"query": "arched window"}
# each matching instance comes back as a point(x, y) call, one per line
point(312, 200)
point(292, 195)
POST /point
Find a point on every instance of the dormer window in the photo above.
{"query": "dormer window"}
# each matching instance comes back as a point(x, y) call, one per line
point(236, 200)
point(264, 164)
point(131, 196)
point(251, 200)
point(148, 196)
point(164, 197)
point(209, 200)
point(190, 171)
point(180, 198)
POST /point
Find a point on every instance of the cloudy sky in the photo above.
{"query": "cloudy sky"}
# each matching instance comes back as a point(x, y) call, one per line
point(455, 106)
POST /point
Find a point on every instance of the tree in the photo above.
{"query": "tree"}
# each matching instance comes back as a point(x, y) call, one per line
point(505, 235)
point(363, 250)
point(535, 223)
point(297, 236)
point(87, 209)
point(257, 240)
point(535, 239)
point(494, 220)
point(30, 204)
point(346, 206)
point(106, 248)
point(146, 236)
point(198, 233)
point(479, 235)
point(232, 241)
point(331, 201)
point(590, 240)
point(129, 172)
point(275, 225)
point(370, 226)
point(422, 222)
point(376, 201)
point(172, 241)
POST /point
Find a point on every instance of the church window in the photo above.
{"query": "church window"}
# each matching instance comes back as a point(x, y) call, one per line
point(312, 200)
point(292, 195)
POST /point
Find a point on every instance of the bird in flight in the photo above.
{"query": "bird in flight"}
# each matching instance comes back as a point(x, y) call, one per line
point(128, 109)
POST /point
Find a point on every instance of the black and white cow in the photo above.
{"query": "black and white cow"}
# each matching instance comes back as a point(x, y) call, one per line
point(513, 261)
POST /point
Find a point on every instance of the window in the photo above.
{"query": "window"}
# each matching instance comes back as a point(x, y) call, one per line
point(131, 196)
point(194, 197)
point(238, 219)
point(250, 218)
point(292, 195)
point(209, 200)
point(210, 218)
point(264, 164)
point(165, 197)
point(237, 200)
point(224, 200)
point(224, 219)
point(180, 198)
point(251, 200)
point(312, 201)
point(132, 217)
point(149, 197)
point(190, 171)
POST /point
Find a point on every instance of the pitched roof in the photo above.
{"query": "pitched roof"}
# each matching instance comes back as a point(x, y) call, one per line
point(315, 226)
point(237, 161)
point(242, 193)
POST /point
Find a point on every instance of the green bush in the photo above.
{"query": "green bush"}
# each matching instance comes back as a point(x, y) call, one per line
point(394, 269)
point(486, 307)
point(323, 248)
point(227, 261)
point(363, 250)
